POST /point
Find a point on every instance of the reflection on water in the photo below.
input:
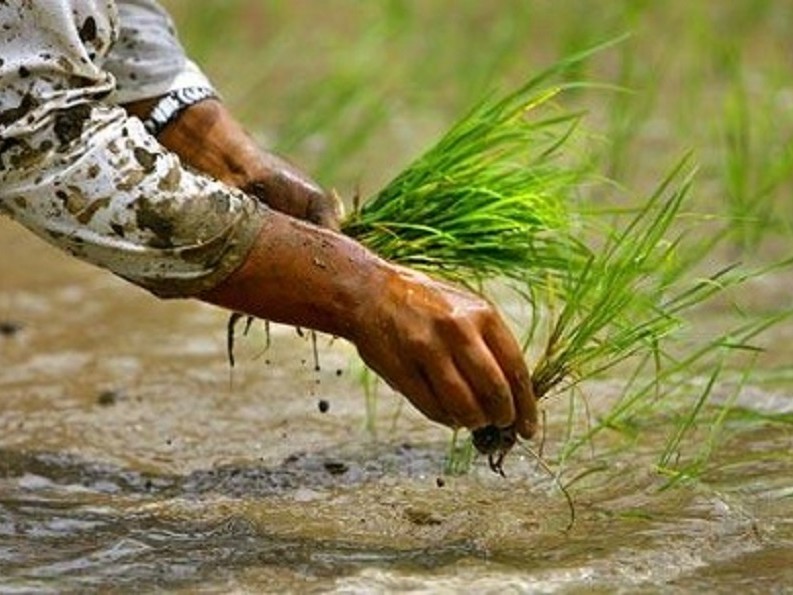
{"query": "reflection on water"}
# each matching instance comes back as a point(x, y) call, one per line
point(130, 459)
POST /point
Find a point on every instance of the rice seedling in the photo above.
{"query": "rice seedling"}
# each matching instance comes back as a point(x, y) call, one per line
point(612, 308)
point(370, 383)
point(438, 219)
point(674, 378)
point(460, 455)
point(756, 167)
point(628, 111)
point(488, 198)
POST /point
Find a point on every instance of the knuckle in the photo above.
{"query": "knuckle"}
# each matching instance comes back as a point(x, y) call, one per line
point(420, 343)
point(460, 326)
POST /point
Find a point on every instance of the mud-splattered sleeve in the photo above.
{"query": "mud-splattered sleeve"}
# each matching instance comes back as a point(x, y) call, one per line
point(148, 60)
point(78, 172)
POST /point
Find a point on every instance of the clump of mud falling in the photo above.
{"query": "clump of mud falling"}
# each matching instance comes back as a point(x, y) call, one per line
point(495, 443)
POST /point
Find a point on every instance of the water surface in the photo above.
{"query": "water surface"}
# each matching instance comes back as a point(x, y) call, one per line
point(130, 458)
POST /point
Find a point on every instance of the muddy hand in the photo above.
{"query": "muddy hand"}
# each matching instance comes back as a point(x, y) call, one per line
point(449, 352)
point(284, 188)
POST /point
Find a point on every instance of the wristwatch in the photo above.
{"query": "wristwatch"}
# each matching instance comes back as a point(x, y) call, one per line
point(172, 104)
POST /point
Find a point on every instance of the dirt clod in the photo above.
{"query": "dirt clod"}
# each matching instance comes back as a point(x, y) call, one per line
point(9, 328)
point(495, 443)
point(422, 518)
point(109, 397)
point(335, 467)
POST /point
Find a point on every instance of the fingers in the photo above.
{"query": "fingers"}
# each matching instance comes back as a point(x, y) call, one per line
point(418, 388)
point(455, 395)
point(480, 379)
point(450, 353)
point(510, 359)
point(484, 375)
point(414, 384)
point(473, 374)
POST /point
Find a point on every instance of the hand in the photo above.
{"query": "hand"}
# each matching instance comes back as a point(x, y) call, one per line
point(284, 188)
point(449, 352)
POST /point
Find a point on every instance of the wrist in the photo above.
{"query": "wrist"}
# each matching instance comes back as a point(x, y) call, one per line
point(171, 105)
point(371, 291)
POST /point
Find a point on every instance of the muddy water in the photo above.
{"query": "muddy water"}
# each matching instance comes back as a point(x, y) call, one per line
point(130, 458)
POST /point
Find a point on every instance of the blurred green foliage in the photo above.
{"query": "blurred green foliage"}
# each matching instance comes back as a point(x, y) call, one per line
point(353, 90)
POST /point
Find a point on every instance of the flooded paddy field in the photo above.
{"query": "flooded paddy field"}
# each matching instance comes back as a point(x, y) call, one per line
point(130, 458)
point(133, 459)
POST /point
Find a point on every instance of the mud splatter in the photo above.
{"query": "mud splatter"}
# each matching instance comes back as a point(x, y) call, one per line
point(69, 123)
point(88, 31)
point(9, 116)
point(146, 159)
point(9, 328)
point(149, 216)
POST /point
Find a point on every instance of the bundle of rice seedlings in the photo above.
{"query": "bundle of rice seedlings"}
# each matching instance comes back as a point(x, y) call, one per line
point(626, 299)
point(489, 200)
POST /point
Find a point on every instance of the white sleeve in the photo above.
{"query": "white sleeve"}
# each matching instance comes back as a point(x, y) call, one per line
point(79, 173)
point(148, 60)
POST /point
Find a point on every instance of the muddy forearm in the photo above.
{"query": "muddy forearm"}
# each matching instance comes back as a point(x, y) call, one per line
point(447, 350)
point(303, 275)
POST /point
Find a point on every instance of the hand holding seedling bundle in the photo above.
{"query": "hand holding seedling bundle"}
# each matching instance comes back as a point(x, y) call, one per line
point(448, 351)
point(490, 201)
point(485, 202)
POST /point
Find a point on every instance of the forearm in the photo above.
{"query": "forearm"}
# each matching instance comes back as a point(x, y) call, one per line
point(447, 350)
point(208, 138)
point(303, 275)
point(88, 178)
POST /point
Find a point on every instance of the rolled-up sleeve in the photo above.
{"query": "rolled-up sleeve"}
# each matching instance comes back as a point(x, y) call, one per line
point(80, 173)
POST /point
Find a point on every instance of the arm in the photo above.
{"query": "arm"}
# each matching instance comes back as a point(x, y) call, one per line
point(89, 179)
point(448, 351)
point(148, 61)
point(208, 138)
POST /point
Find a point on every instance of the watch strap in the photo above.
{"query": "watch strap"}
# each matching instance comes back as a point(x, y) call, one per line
point(172, 104)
